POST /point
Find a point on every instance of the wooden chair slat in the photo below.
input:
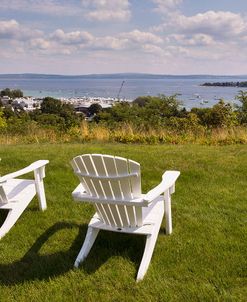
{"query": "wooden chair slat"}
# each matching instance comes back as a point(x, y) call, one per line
point(116, 189)
point(86, 183)
point(134, 167)
point(116, 216)
point(98, 188)
point(86, 159)
point(109, 214)
point(123, 215)
point(122, 168)
point(100, 211)
point(138, 215)
point(110, 165)
point(131, 215)
point(79, 164)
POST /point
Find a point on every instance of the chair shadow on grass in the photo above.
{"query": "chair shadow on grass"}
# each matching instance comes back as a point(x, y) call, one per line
point(36, 266)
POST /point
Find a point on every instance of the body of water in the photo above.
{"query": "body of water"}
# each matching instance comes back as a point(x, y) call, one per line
point(187, 87)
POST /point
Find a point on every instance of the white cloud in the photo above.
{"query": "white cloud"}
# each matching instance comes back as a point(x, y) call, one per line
point(191, 40)
point(109, 43)
point(141, 37)
point(40, 43)
point(99, 10)
point(50, 7)
point(75, 37)
point(220, 25)
point(105, 10)
point(154, 50)
point(166, 6)
point(11, 29)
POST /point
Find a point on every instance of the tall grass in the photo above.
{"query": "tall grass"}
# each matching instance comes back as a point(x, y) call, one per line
point(127, 133)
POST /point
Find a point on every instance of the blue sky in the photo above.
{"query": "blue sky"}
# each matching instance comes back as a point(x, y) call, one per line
point(109, 36)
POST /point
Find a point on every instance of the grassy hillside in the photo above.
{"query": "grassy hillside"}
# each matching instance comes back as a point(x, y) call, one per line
point(203, 260)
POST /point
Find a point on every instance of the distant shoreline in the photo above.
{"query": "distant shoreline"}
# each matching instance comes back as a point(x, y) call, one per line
point(226, 84)
point(117, 76)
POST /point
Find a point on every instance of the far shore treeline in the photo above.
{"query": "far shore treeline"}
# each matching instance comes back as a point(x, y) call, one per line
point(226, 84)
point(148, 119)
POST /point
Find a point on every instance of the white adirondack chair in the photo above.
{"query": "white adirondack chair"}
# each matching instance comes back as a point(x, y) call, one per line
point(16, 194)
point(113, 185)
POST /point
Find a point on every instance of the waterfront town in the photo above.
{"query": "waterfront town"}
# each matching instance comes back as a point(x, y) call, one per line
point(80, 104)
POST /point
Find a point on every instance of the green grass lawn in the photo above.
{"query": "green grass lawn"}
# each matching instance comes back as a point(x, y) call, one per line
point(205, 258)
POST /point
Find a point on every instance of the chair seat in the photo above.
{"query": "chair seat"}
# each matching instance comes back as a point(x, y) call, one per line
point(151, 215)
point(18, 191)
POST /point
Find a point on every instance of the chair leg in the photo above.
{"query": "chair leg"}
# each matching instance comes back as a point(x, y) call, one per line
point(168, 212)
point(148, 252)
point(39, 184)
point(10, 220)
point(87, 245)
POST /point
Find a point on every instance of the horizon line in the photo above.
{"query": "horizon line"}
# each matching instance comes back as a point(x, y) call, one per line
point(122, 73)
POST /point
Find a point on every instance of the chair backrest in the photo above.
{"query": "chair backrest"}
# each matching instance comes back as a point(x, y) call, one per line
point(111, 178)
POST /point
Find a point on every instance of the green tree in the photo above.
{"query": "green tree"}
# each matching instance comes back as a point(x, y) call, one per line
point(51, 106)
point(222, 115)
point(16, 93)
point(51, 120)
point(95, 109)
point(145, 111)
point(62, 110)
point(242, 110)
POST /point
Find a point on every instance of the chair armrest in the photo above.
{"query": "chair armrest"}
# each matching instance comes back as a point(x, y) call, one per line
point(168, 181)
point(34, 166)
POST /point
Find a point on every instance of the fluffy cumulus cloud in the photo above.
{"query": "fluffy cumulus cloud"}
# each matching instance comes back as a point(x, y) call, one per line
point(166, 6)
point(75, 37)
point(40, 43)
point(191, 40)
point(105, 10)
point(218, 24)
point(140, 37)
point(78, 41)
point(11, 29)
point(204, 29)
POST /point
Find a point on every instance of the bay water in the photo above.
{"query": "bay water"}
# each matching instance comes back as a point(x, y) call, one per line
point(188, 88)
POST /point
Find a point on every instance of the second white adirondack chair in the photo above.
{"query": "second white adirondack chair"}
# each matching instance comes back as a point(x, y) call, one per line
point(113, 185)
point(16, 194)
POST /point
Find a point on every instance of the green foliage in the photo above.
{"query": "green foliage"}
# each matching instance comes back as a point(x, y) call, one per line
point(221, 115)
point(242, 110)
point(149, 119)
point(51, 120)
point(165, 112)
point(95, 108)
point(58, 112)
point(15, 93)
point(3, 123)
point(142, 100)
point(51, 106)
point(18, 125)
point(185, 124)
point(149, 111)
